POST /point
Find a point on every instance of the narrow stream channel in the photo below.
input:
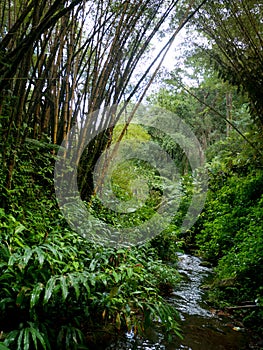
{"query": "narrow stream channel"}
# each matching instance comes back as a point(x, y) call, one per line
point(201, 329)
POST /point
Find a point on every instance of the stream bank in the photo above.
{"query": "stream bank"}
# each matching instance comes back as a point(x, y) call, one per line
point(202, 329)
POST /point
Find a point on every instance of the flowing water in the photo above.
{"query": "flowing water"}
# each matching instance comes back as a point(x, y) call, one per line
point(201, 328)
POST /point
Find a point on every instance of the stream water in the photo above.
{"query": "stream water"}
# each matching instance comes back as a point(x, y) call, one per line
point(201, 328)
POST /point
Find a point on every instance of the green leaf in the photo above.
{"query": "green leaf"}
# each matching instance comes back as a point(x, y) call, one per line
point(35, 333)
point(92, 279)
point(77, 291)
point(6, 276)
point(36, 294)
point(40, 255)
point(34, 337)
point(11, 337)
point(3, 347)
point(121, 251)
point(116, 276)
point(74, 282)
point(129, 272)
point(39, 337)
point(12, 260)
point(50, 286)
point(20, 339)
point(93, 264)
point(68, 338)
point(86, 285)
point(27, 255)
point(64, 287)
point(50, 248)
point(26, 339)
point(19, 228)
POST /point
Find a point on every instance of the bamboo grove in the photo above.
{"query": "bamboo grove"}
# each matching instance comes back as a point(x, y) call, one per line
point(61, 61)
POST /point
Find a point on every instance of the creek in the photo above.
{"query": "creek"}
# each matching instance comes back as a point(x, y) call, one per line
point(202, 329)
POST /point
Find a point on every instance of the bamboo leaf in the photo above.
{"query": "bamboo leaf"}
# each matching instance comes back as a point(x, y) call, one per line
point(34, 337)
point(37, 335)
point(40, 255)
point(68, 338)
point(74, 282)
point(85, 284)
point(77, 291)
point(93, 264)
point(19, 340)
point(51, 249)
point(64, 287)
point(41, 339)
point(26, 339)
point(36, 294)
point(27, 255)
point(50, 286)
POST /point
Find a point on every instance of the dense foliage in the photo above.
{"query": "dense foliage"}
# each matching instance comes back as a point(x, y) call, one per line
point(60, 62)
point(59, 290)
point(229, 230)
